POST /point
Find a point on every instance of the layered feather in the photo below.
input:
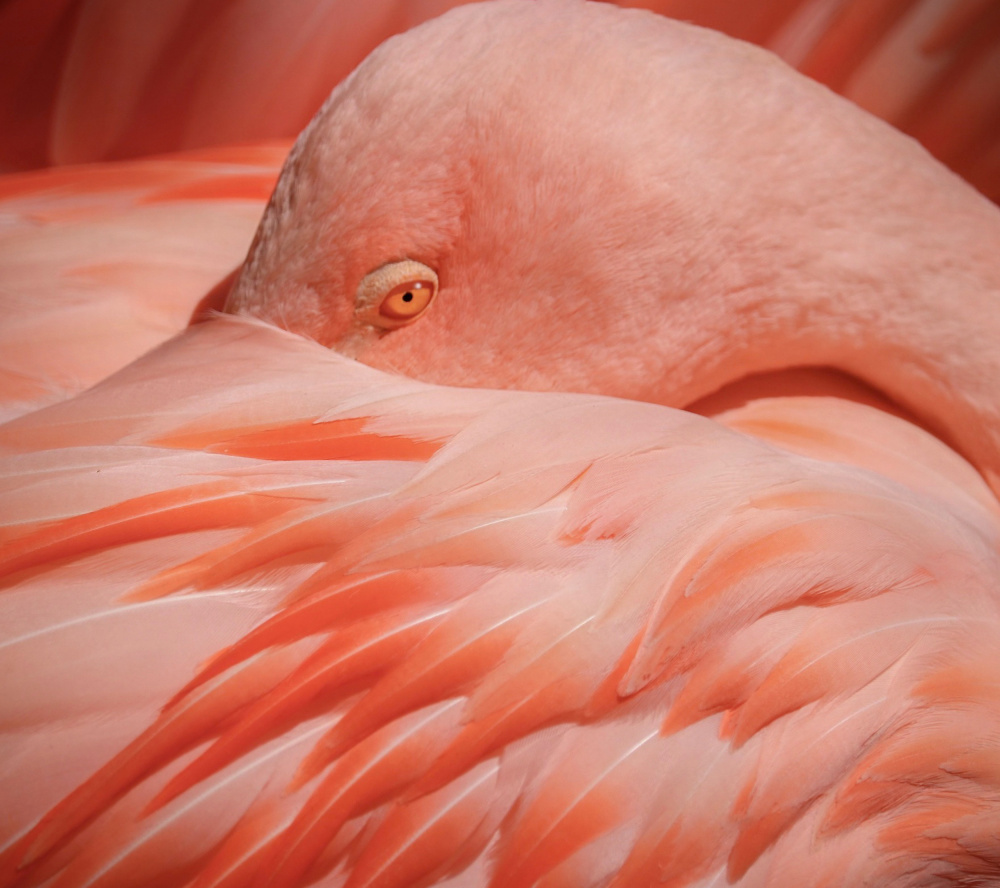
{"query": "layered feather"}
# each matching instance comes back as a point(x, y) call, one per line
point(483, 638)
point(100, 264)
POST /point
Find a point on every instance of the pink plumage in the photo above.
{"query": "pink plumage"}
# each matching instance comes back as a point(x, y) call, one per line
point(274, 617)
point(655, 632)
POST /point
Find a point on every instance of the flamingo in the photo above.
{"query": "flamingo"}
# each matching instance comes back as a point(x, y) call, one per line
point(89, 80)
point(391, 632)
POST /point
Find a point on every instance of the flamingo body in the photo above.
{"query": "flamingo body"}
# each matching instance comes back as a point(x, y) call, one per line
point(297, 620)
point(413, 634)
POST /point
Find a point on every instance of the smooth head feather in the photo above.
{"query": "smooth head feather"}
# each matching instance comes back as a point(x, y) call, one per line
point(647, 209)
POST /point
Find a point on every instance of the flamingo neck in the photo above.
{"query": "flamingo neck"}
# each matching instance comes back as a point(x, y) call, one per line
point(908, 302)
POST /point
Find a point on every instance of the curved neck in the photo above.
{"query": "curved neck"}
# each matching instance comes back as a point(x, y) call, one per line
point(897, 283)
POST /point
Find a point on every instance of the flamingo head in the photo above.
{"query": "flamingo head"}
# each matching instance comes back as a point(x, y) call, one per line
point(505, 161)
point(573, 196)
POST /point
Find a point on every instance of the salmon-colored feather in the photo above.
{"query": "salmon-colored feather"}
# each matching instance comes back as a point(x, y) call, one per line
point(354, 670)
point(98, 265)
point(273, 617)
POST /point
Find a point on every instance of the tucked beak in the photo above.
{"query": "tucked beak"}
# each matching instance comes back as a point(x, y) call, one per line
point(358, 338)
point(214, 300)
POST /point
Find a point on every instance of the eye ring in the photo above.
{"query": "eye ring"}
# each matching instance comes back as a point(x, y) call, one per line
point(396, 294)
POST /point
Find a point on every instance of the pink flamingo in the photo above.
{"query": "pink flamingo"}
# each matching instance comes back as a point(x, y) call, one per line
point(88, 80)
point(414, 635)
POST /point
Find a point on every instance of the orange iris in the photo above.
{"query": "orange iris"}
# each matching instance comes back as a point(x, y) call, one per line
point(407, 300)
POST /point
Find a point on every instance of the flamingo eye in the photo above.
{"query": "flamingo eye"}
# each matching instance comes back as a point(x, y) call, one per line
point(407, 301)
point(396, 294)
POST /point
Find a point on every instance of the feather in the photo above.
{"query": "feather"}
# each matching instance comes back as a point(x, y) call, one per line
point(458, 660)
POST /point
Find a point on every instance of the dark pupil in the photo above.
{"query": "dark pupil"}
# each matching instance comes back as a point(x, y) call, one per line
point(407, 297)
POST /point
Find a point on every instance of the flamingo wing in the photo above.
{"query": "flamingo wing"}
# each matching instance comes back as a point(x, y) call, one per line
point(299, 621)
point(99, 264)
